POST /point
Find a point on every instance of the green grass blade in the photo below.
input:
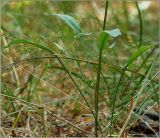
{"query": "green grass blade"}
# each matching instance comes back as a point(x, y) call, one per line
point(137, 53)
point(24, 41)
point(140, 24)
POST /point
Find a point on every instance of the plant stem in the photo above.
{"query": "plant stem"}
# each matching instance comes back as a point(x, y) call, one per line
point(105, 16)
point(98, 77)
point(140, 23)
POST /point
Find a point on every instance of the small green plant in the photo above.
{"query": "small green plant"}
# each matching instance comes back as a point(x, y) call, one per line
point(78, 64)
point(103, 36)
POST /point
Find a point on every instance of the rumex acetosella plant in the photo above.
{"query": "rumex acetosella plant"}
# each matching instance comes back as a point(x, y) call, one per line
point(101, 41)
point(115, 86)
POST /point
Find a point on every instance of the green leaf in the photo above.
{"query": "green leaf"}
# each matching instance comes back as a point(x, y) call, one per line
point(137, 53)
point(114, 33)
point(106, 33)
point(70, 21)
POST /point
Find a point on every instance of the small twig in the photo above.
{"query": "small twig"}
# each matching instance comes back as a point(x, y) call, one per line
point(42, 108)
point(2, 132)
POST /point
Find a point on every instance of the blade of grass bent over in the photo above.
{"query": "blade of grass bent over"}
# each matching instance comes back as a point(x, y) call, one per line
point(116, 68)
point(24, 41)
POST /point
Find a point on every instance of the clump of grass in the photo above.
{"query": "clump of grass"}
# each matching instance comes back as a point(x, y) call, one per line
point(112, 76)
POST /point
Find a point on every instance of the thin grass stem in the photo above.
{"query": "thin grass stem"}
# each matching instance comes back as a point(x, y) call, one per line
point(98, 77)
